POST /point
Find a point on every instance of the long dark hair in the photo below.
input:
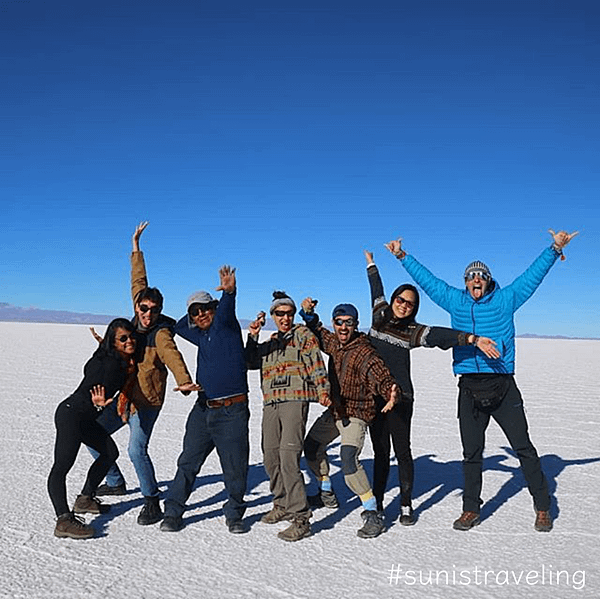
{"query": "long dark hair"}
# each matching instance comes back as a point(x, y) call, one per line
point(388, 314)
point(108, 343)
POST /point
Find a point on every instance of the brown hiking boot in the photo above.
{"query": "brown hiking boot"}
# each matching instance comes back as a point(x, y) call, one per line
point(466, 521)
point(298, 529)
point(70, 525)
point(277, 514)
point(84, 504)
point(543, 521)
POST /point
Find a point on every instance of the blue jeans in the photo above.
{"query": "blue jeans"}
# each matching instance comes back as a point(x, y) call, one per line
point(225, 429)
point(140, 424)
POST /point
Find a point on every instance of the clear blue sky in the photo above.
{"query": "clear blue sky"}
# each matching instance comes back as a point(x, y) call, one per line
point(284, 138)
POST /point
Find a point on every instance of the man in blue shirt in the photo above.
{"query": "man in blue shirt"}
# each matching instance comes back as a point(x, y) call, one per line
point(219, 418)
point(487, 386)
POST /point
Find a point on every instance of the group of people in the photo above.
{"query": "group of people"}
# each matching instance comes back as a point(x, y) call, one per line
point(366, 386)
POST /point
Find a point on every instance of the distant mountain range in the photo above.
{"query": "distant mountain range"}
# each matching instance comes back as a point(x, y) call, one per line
point(10, 313)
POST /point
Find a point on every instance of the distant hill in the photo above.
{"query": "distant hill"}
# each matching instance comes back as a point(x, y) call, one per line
point(10, 313)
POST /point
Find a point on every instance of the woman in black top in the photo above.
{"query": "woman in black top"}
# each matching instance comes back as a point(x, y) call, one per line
point(394, 333)
point(106, 374)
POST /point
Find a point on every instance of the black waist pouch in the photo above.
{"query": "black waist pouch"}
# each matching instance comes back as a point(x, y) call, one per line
point(487, 391)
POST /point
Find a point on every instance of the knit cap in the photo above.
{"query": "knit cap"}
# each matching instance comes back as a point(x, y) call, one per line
point(477, 266)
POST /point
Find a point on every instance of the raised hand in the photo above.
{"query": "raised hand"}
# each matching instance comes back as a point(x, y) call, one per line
point(137, 234)
point(309, 304)
point(256, 325)
point(395, 247)
point(369, 257)
point(562, 238)
point(227, 277)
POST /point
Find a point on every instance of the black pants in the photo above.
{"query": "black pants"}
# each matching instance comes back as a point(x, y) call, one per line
point(71, 431)
point(511, 418)
point(394, 424)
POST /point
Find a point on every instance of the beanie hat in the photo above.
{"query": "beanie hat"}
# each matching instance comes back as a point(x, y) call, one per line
point(280, 298)
point(477, 266)
point(345, 310)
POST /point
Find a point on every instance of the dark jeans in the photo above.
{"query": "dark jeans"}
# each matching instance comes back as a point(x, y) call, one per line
point(71, 431)
point(394, 424)
point(225, 429)
point(511, 418)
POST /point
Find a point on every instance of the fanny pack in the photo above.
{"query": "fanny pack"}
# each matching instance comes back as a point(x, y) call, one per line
point(487, 391)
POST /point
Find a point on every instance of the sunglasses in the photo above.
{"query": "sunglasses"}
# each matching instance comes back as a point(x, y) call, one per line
point(477, 273)
point(282, 313)
point(125, 338)
point(401, 300)
point(196, 309)
point(152, 309)
point(340, 322)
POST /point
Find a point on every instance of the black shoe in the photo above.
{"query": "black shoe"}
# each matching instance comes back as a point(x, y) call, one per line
point(323, 499)
point(237, 527)
point(108, 490)
point(407, 518)
point(171, 524)
point(374, 524)
point(151, 512)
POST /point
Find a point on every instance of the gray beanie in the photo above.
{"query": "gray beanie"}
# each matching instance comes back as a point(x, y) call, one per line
point(477, 266)
point(281, 299)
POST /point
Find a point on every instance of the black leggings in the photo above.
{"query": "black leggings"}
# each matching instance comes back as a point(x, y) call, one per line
point(72, 429)
point(394, 424)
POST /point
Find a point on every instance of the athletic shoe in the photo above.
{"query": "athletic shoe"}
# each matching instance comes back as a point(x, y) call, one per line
point(298, 529)
point(236, 527)
point(407, 517)
point(466, 521)
point(84, 504)
point(543, 521)
point(108, 490)
point(70, 525)
point(277, 514)
point(171, 524)
point(373, 524)
point(323, 499)
point(151, 512)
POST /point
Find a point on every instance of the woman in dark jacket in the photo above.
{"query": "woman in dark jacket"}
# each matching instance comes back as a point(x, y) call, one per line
point(394, 332)
point(106, 374)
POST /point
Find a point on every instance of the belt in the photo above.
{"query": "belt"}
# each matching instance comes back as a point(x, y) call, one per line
point(227, 401)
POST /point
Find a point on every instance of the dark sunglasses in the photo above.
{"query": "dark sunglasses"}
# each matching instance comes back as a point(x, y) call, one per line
point(349, 322)
point(282, 313)
point(195, 309)
point(152, 309)
point(401, 300)
point(125, 338)
point(477, 273)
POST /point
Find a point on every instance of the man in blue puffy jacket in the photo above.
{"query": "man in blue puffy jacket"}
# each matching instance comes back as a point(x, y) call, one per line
point(487, 386)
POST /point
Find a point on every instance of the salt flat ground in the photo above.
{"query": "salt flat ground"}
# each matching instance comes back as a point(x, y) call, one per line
point(41, 364)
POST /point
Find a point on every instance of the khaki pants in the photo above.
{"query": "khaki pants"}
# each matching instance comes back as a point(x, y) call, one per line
point(283, 430)
point(324, 430)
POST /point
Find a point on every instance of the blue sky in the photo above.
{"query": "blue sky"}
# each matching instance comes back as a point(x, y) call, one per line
point(285, 138)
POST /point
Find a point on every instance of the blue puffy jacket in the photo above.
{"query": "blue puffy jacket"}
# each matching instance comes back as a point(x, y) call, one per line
point(492, 316)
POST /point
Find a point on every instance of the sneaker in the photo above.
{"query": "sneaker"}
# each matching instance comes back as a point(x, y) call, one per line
point(407, 517)
point(543, 521)
point(323, 499)
point(373, 524)
point(236, 527)
point(70, 525)
point(277, 514)
point(85, 504)
point(467, 521)
point(298, 529)
point(171, 524)
point(108, 490)
point(151, 512)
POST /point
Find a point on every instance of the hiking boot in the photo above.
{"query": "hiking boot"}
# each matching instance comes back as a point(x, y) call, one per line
point(373, 524)
point(171, 524)
point(466, 521)
point(236, 527)
point(407, 517)
point(106, 489)
point(84, 504)
point(151, 512)
point(323, 499)
point(277, 514)
point(543, 521)
point(298, 529)
point(70, 525)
